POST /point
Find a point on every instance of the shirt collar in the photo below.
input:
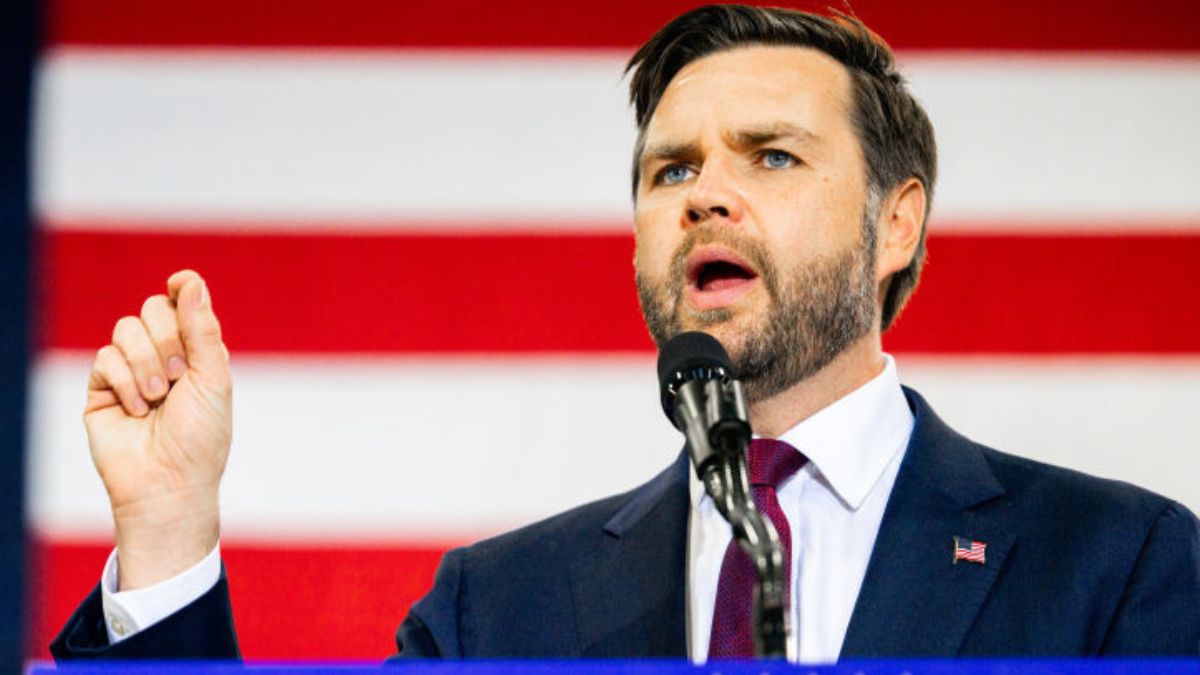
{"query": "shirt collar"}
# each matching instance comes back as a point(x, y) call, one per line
point(851, 441)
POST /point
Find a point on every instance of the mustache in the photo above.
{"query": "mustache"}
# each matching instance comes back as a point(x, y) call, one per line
point(745, 246)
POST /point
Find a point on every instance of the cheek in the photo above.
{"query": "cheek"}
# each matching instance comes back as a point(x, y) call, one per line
point(796, 226)
point(825, 214)
point(655, 243)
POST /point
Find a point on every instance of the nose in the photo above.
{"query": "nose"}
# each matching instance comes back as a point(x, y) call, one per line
point(714, 195)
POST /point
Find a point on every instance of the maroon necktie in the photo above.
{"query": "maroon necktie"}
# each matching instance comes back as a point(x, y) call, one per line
point(769, 463)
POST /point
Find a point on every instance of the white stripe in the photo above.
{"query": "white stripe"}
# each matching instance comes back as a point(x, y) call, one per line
point(436, 139)
point(378, 447)
point(458, 448)
point(372, 137)
point(1098, 142)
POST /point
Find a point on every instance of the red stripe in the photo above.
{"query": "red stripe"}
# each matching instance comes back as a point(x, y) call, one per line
point(371, 293)
point(574, 293)
point(293, 602)
point(1167, 25)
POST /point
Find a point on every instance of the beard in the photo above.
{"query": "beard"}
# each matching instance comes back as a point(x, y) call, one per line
point(813, 315)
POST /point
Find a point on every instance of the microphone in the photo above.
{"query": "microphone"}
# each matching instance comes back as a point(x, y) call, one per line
point(701, 396)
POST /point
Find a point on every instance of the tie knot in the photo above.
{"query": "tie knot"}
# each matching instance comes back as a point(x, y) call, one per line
point(770, 461)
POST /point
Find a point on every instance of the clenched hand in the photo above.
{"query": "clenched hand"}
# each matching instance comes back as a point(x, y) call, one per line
point(159, 423)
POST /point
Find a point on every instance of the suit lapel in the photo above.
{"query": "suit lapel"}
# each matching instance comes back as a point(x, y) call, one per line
point(915, 600)
point(629, 589)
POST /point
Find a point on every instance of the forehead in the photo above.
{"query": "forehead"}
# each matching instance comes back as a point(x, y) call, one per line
point(756, 85)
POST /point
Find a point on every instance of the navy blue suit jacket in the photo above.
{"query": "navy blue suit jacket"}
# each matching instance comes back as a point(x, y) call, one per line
point(1075, 566)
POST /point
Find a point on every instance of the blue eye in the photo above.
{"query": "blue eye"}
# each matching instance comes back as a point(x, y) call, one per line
point(777, 159)
point(674, 174)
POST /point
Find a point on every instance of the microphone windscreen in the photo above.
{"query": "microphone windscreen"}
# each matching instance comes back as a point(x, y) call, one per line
point(684, 354)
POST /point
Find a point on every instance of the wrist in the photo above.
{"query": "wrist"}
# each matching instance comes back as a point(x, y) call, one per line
point(160, 538)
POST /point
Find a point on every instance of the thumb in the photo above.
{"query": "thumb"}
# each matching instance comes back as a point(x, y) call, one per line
point(200, 330)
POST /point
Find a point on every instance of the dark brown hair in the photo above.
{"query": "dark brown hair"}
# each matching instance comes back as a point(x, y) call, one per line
point(895, 134)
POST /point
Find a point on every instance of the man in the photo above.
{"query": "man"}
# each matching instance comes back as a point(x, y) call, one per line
point(782, 180)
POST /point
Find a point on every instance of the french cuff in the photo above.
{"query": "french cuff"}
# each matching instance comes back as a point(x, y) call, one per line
point(127, 612)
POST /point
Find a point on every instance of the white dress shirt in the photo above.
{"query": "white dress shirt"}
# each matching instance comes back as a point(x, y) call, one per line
point(833, 505)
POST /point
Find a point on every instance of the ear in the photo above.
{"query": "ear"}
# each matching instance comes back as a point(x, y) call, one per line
point(901, 221)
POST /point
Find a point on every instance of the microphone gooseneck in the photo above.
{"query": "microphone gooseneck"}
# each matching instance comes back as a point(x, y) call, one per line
point(702, 398)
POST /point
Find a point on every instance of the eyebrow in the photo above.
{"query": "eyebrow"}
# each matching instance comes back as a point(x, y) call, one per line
point(768, 133)
point(669, 152)
point(744, 138)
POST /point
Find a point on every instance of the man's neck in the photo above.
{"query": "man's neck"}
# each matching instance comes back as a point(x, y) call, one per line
point(854, 367)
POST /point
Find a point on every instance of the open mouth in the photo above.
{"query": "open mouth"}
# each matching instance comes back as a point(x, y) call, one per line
point(716, 276)
point(722, 274)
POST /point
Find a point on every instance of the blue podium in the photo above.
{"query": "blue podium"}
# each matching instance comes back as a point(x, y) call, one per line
point(945, 667)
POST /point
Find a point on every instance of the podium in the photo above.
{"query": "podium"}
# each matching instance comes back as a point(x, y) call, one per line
point(548, 667)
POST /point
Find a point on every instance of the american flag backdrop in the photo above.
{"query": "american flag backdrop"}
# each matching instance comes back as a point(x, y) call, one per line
point(415, 222)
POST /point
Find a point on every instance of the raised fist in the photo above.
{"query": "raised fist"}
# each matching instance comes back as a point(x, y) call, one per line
point(159, 423)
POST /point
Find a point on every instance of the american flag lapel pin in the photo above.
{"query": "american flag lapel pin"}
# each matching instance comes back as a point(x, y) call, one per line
point(969, 550)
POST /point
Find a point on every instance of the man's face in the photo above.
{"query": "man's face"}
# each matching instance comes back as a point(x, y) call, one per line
point(751, 216)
